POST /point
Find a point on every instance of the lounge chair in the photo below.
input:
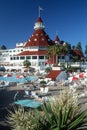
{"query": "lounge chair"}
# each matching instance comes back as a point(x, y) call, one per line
point(44, 89)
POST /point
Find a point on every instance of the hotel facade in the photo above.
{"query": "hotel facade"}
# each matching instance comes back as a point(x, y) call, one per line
point(34, 50)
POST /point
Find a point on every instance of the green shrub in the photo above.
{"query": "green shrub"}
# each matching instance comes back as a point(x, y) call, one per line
point(42, 82)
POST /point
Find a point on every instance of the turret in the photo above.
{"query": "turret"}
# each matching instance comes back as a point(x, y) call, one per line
point(39, 24)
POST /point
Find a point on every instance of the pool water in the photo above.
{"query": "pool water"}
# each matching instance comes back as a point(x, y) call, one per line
point(20, 80)
point(28, 103)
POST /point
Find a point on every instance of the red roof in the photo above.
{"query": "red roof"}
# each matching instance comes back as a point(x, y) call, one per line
point(53, 74)
point(57, 39)
point(77, 52)
point(39, 20)
point(39, 38)
point(40, 52)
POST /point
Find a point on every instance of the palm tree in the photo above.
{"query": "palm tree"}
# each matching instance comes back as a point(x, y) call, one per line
point(52, 51)
point(57, 50)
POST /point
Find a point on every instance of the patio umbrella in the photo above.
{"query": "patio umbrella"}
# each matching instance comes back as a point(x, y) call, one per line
point(74, 78)
point(19, 76)
point(8, 75)
point(1, 74)
point(81, 75)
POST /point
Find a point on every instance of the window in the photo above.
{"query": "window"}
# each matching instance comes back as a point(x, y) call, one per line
point(28, 57)
point(58, 57)
point(22, 58)
point(14, 58)
point(35, 39)
point(63, 57)
point(17, 58)
point(34, 57)
point(42, 47)
point(11, 58)
point(41, 57)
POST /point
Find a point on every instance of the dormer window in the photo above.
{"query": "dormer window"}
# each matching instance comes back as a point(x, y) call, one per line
point(42, 39)
point(37, 34)
point(35, 39)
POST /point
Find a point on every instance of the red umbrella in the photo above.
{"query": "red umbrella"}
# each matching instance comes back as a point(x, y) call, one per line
point(8, 75)
point(81, 75)
point(1, 74)
point(74, 78)
point(19, 76)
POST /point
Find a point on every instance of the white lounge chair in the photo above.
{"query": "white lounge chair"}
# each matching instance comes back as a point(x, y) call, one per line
point(26, 93)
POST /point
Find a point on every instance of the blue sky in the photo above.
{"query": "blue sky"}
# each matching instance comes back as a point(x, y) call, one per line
point(67, 18)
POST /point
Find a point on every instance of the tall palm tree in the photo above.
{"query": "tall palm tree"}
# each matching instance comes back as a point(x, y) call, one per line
point(53, 51)
point(56, 50)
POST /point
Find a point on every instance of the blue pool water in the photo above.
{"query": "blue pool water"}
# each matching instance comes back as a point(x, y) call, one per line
point(28, 103)
point(19, 80)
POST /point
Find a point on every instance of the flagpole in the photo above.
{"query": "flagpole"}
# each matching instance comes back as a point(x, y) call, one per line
point(39, 11)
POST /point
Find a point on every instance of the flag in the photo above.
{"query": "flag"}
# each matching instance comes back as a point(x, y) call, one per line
point(40, 8)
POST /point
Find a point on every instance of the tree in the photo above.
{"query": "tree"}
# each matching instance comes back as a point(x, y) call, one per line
point(26, 63)
point(73, 47)
point(86, 51)
point(52, 51)
point(57, 50)
point(79, 47)
point(3, 47)
point(48, 69)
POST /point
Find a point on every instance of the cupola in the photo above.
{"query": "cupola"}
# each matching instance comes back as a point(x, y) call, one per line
point(39, 24)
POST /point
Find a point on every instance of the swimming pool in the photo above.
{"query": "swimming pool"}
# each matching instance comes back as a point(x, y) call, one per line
point(28, 103)
point(18, 80)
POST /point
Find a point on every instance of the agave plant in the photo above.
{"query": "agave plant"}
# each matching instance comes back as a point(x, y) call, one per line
point(62, 114)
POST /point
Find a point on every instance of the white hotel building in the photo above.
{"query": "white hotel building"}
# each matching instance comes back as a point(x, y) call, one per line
point(33, 50)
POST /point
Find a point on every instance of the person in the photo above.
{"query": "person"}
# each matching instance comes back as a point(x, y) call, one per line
point(16, 96)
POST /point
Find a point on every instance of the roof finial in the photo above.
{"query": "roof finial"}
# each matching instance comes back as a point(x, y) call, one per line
point(40, 10)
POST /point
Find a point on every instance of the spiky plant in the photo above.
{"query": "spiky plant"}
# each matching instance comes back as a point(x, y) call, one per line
point(21, 120)
point(62, 114)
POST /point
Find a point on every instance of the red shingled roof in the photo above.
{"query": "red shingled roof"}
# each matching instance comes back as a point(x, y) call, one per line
point(53, 74)
point(39, 20)
point(39, 38)
point(40, 52)
point(76, 52)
